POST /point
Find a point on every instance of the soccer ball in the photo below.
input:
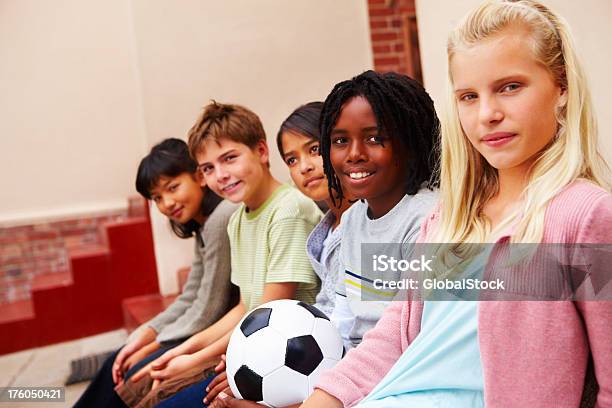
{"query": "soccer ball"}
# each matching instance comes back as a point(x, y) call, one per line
point(278, 351)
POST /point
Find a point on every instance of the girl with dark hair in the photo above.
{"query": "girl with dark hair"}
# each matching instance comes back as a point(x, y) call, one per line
point(379, 138)
point(170, 178)
point(298, 141)
point(379, 134)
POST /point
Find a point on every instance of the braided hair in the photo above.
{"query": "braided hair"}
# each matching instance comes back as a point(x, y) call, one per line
point(404, 112)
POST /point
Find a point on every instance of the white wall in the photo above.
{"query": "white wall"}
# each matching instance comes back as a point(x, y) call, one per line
point(589, 21)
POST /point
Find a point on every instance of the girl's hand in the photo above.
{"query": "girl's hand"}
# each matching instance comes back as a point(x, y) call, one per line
point(225, 400)
point(176, 366)
point(320, 398)
point(218, 384)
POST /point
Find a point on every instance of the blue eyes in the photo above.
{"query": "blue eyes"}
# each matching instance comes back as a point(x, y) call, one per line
point(511, 87)
point(508, 88)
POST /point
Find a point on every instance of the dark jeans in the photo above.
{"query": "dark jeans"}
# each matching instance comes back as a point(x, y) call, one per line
point(101, 392)
point(191, 396)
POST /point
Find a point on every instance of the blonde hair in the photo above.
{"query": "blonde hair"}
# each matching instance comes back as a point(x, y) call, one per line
point(573, 153)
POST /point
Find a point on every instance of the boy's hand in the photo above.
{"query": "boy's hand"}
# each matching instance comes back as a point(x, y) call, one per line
point(132, 352)
point(157, 364)
point(144, 371)
point(118, 369)
point(176, 366)
point(161, 361)
point(138, 356)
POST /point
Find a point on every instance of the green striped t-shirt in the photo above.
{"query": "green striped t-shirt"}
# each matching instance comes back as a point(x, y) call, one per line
point(268, 245)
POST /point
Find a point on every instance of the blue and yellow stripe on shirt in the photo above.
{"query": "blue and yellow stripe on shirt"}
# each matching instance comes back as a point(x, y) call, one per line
point(360, 287)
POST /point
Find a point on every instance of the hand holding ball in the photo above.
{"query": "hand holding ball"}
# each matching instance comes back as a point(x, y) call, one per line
point(278, 351)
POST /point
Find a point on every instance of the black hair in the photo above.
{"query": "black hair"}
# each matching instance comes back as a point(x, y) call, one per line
point(170, 158)
point(304, 121)
point(404, 112)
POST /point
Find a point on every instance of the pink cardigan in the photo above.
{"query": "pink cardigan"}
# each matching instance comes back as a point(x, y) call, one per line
point(534, 354)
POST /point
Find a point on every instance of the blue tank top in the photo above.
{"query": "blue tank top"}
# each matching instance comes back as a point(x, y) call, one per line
point(441, 367)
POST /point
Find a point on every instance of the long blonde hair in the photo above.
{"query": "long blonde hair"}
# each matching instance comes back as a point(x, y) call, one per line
point(573, 153)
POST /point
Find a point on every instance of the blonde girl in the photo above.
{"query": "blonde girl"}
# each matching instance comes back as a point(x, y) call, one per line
point(520, 164)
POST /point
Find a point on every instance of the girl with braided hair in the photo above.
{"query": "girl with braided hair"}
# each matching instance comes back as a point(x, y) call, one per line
point(379, 135)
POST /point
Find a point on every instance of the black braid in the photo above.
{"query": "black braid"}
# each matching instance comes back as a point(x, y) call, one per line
point(404, 112)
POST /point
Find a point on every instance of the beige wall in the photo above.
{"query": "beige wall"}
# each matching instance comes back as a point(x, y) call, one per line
point(270, 55)
point(589, 21)
point(71, 120)
point(87, 87)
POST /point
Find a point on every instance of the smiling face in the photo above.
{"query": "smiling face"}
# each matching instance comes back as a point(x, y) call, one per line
point(301, 155)
point(179, 198)
point(363, 159)
point(233, 170)
point(506, 99)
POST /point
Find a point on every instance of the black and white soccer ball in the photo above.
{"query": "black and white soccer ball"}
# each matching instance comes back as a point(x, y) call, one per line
point(278, 351)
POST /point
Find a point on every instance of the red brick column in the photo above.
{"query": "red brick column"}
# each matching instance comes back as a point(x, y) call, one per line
point(394, 34)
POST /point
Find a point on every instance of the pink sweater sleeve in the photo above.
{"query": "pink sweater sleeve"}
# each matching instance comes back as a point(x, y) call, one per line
point(364, 366)
point(597, 315)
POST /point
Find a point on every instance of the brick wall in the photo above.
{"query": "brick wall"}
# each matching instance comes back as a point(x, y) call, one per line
point(30, 250)
point(393, 30)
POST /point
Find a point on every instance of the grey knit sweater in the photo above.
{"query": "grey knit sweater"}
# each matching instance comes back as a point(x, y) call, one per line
point(208, 293)
point(401, 225)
